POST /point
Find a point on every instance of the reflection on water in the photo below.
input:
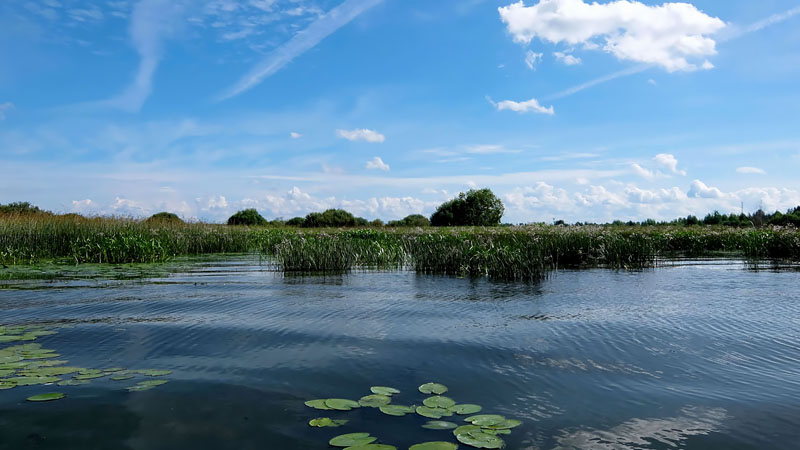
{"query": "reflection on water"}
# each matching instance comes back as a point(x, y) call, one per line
point(693, 357)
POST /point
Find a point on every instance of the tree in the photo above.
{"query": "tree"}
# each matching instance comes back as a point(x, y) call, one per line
point(474, 208)
point(164, 217)
point(330, 218)
point(247, 217)
point(295, 222)
point(413, 220)
point(22, 208)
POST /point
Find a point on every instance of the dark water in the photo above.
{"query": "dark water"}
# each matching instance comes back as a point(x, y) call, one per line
point(695, 357)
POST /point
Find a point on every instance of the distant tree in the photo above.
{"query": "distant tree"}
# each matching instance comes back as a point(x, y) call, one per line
point(247, 217)
point(413, 220)
point(376, 223)
point(474, 208)
point(692, 220)
point(295, 222)
point(22, 208)
point(164, 217)
point(361, 222)
point(330, 218)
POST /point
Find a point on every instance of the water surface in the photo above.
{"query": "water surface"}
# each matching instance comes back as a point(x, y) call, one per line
point(699, 356)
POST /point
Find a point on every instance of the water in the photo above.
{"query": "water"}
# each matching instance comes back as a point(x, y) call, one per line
point(702, 356)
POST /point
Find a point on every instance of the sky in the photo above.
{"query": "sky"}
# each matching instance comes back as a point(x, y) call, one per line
point(566, 109)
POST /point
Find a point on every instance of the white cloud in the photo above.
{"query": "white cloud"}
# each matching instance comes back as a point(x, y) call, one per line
point(652, 82)
point(377, 163)
point(668, 162)
point(303, 41)
point(295, 135)
point(531, 105)
point(699, 189)
point(751, 170)
point(642, 172)
point(363, 134)
point(532, 58)
point(488, 149)
point(637, 195)
point(674, 36)
point(4, 107)
point(567, 58)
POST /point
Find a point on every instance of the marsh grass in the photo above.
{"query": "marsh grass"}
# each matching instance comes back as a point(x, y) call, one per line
point(527, 253)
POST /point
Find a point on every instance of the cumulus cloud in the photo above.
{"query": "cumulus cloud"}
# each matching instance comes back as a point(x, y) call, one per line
point(668, 162)
point(363, 134)
point(4, 107)
point(698, 189)
point(637, 195)
point(567, 58)
point(751, 171)
point(674, 36)
point(532, 58)
point(531, 105)
point(377, 163)
point(642, 172)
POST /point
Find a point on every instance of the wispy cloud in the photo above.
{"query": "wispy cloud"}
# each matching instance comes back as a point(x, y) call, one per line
point(751, 171)
point(4, 107)
point(361, 135)
point(151, 22)
point(295, 135)
point(736, 32)
point(613, 76)
point(377, 163)
point(531, 105)
point(299, 44)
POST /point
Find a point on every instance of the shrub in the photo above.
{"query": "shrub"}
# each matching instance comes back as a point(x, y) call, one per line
point(21, 208)
point(330, 218)
point(413, 220)
point(475, 208)
point(164, 217)
point(295, 222)
point(247, 217)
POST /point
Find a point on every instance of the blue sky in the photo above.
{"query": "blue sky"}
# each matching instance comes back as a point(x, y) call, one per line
point(566, 109)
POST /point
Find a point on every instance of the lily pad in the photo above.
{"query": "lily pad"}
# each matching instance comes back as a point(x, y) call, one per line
point(341, 404)
point(465, 408)
point(152, 382)
point(154, 373)
point(433, 388)
point(73, 382)
point(438, 445)
point(139, 388)
point(397, 410)
point(32, 381)
point(384, 390)
point(437, 401)
point(326, 422)
point(4, 385)
point(317, 404)
point(485, 420)
point(89, 376)
point(113, 370)
point(46, 397)
point(433, 413)
point(506, 424)
point(467, 429)
point(50, 371)
point(481, 440)
point(439, 425)
point(121, 377)
point(352, 440)
point(374, 400)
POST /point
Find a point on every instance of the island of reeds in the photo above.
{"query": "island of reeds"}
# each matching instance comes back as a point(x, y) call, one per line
point(463, 237)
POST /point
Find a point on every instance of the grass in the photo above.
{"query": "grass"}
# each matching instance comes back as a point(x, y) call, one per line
point(525, 253)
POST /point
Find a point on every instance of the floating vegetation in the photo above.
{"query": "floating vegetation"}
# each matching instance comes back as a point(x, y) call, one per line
point(31, 365)
point(323, 422)
point(46, 397)
point(482, 431)
point(433, 388)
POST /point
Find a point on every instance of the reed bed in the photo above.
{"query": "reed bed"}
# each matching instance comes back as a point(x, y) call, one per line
point(526, 253)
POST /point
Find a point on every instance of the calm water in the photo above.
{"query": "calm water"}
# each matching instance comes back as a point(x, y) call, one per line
point(694, 357)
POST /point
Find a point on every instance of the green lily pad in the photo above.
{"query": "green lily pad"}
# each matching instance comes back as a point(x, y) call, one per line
point(46, 397)
point(326, 422)
point(14, 365)
point(341, 404)
point(505, 425)
point(374, 400)
point(113, 370)
point(433, 388)
point(32, 381)
point(433, 413)
point(439, 425)
point(152, 382)
point(438, 445)
point(465, 408)
point(121, 377)
point(89, 376)
point(372, 447)
point(481, 440)
point(352, 440)
point(383, 390)
point(397, 410)
point(50, 371)
point(139, 388)
point(6, 338)
point(485, 420)
point(4, 385)
point(154, 373)
point(317, 404)
point(5, 373)
point(73, 382)
point(10, 359)
point(437, 401)
point(467, 429)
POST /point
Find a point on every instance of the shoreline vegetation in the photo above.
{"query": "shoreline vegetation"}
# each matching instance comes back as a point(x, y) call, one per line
point(514, 253)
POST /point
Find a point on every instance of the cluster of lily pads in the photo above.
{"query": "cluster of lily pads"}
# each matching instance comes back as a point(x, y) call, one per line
point(482, 431)
point(30, 365)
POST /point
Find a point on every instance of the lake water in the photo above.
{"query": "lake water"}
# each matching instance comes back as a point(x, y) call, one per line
point(701, 356)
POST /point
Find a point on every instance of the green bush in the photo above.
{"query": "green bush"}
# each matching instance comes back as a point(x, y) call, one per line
point(413, 220)
point(247, 217)
point(295, 222)
point(164, 217)
point(475, 208)
point(21, 208)
point(332, 218)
